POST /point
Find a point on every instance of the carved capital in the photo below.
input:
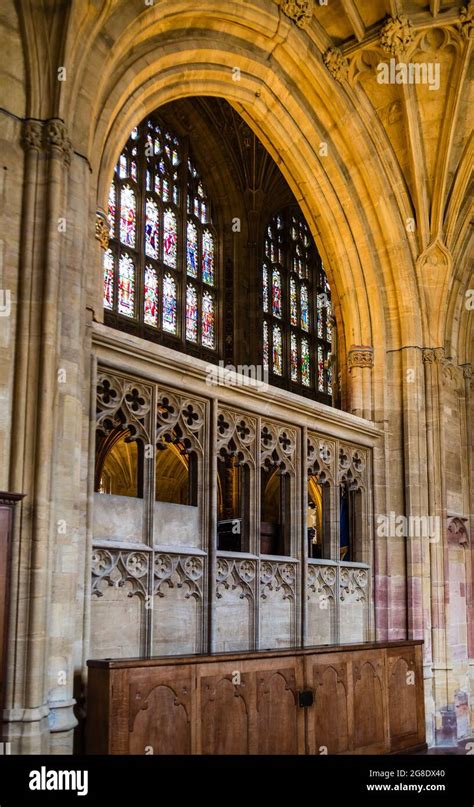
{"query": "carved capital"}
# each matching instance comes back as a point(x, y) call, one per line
point(300, 11)
point(396, 35)
point(32, 135)
point(432, 355)
point(336, 63)
point(57, 140)
point(467, 371)
point(102, 230)
point(465, 23)
point(362, 356)
point(457, 530)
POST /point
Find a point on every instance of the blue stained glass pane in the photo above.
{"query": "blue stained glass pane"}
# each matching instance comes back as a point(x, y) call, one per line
point(151, 229)
point(169, 304)
point(208, 257)
point(192, 250)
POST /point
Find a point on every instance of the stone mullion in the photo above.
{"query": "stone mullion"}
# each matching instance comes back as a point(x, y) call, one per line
point(210, 499)
point(149, 488)
point(258, 508)
point(304, 530)
point(90, 518)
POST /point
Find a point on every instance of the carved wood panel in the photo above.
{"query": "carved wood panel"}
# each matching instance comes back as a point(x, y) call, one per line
point(225, 714)
point(330, 720)
point(370, 708)
point(406, 711)
point(277, 715)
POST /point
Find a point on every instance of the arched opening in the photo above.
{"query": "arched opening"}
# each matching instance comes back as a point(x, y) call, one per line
point(211, 255)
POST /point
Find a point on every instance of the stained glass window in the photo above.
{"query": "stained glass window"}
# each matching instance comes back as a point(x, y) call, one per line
point(320, 369)
point(112, 210)
point(191, 314)
point(305, 368)
point(128, 216)
point(208, 320)
point(169, 304)
point(207, 258)
point(293, 303)
point(151, 296)
point(156, 244)
point(297, 314)
point(170, 238)
point(266, 346)
point(192, 248)
point(265, 289)
point(276, 293)
point(304, 308)
point(151, 229)
point(126, 287)
point(277, 353)
point(109, 276)
point(294, 359)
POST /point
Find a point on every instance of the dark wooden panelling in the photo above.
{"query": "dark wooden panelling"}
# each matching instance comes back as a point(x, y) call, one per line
point(198, 704)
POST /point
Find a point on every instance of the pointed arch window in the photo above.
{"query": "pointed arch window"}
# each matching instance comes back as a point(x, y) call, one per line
point(160, 271)
point(297, 335)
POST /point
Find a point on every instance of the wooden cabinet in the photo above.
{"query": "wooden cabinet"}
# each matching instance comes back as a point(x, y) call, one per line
point(7, 508)
point(350, 699)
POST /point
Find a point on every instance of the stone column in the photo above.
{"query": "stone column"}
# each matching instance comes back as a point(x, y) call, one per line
point(48, 154)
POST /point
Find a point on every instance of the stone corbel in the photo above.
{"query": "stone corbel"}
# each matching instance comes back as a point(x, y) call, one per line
point(360, 356)
point(457, 530)
point(465, 24)
point(102, 229)
point(300, 11)
point(397, 35)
